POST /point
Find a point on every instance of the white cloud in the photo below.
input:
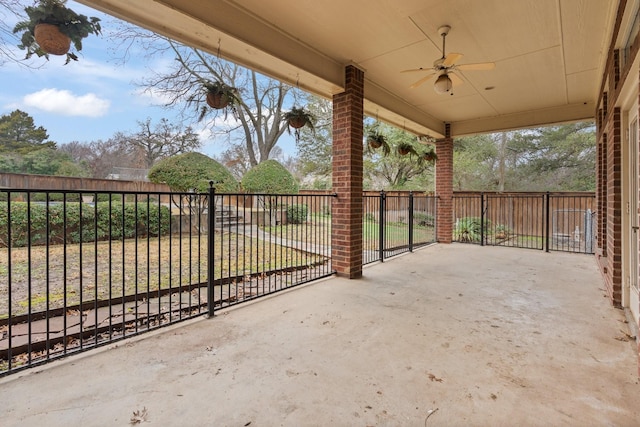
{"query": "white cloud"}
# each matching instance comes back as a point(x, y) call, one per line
point(65, 103)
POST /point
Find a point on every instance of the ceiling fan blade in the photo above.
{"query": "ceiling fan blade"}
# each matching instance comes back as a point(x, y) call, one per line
point(455, 79)
point(421, 81)
point(478, 66)
point(451, 59)
point(413, 70)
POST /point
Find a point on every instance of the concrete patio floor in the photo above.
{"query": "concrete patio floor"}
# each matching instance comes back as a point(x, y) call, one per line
point(488, 336)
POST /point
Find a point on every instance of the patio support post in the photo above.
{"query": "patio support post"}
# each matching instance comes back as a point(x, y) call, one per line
point(347, 212)
point(444, 187)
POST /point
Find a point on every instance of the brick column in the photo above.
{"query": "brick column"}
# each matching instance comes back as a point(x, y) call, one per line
point(444, 187)
point(347, 210)
point(614, 206)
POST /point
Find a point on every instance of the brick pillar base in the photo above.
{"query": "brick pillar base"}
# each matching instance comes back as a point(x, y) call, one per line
point(444, 187)
point(347, 210)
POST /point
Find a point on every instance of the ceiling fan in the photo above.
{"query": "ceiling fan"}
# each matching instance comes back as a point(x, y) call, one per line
point(444, 68)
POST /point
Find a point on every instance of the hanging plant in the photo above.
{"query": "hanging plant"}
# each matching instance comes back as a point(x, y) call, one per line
point(375, 140)
point(219, 95)
point(405, 148)
point(430, 155)
point(297, 118)
point(52, 27)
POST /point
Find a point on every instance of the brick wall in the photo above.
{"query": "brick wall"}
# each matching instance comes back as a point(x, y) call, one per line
point(444, 187)
point(347, 209)
point(614, 207)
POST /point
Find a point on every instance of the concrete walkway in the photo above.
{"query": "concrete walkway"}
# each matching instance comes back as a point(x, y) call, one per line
point(488, 336)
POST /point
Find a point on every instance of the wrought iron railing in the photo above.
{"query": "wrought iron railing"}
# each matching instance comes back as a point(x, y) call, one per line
point(396, 223)
point(80, 269)
point(83, 269)
point(545, 221)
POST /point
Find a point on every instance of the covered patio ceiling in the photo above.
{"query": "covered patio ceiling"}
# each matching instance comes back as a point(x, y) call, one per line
point(549, 54)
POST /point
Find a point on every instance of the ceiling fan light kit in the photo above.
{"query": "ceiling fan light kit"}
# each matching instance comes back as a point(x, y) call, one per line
point(443, 84)
point(445, 68)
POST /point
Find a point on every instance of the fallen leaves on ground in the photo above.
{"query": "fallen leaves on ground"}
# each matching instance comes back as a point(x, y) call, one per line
point(434, 378)
point(139, 416)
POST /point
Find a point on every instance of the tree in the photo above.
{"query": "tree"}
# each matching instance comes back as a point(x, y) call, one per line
point(559, 158)
point(101, 157)
point(315, 148)
point(258, 122)
point(552, 158)
point(162, 140)
point(46, 161)
point(474, 163)
point(10, 11)
point(18, 134)
point(395, 171)
point(193, 171)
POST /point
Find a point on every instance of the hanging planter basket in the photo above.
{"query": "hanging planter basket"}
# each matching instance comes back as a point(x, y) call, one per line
point(403, 151)
point(297, 122)
point(51, 39)
point(374, 143)
point(298, 118)
point(430, 156)
point(218, 100)
point(220, 95)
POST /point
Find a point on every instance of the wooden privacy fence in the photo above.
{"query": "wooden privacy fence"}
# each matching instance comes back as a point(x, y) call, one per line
point(45, 182)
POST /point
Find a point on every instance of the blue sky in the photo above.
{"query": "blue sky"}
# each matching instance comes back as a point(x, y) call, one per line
point(94, 97)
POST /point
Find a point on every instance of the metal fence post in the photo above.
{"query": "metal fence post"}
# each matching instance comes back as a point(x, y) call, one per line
point(211, 220)
point(546, 220)
point(381, 226)
point(410, 221)
point(482, 225)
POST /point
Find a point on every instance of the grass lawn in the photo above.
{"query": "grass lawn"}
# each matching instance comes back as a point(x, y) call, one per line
point(318, 231)
point(42, 277)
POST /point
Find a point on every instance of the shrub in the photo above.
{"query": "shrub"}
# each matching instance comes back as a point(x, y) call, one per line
point(104, 197)
point(269, 177)
point(468, 229)
point(55, 197)
point(423, 219)
point(189, 171)
point(75, 222)
point(297, 214)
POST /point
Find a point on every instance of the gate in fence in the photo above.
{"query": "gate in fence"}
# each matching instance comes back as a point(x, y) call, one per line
point(397, 222)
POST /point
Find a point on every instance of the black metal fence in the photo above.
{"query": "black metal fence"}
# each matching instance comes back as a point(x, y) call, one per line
point(395, 223)
point(80, 269)
point(545, 221)
point(83, 269)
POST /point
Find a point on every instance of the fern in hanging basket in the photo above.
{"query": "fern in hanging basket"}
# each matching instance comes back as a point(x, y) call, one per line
point(220, 95)
point(297, 118)
point(376, 140)
point(405, 148)
point(430, 156)
point(52, 28)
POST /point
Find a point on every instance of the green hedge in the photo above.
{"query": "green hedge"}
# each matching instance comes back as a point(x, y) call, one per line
point(297, 214)
point(84, 222)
